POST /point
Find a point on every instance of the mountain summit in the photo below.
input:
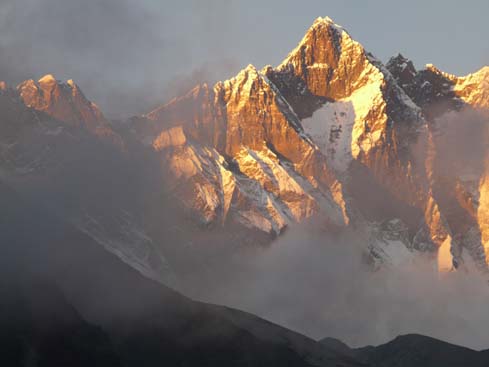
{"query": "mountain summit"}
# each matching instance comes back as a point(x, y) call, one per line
point(64, 101)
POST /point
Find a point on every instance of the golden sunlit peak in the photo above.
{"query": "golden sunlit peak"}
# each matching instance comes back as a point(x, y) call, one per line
point(326, 21)
point(483, 71)
point(48, 78)
point(250, 67)
point(432, 67)
point(435, 70)
point(250, 70)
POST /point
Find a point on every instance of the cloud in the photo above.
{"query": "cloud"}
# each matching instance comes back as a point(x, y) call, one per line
point(122, 53)
point(318, 284)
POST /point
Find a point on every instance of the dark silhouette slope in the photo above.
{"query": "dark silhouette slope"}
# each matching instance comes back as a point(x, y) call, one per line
point(60, 284)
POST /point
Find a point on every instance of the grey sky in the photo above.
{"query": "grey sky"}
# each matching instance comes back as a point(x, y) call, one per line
point(130, 55)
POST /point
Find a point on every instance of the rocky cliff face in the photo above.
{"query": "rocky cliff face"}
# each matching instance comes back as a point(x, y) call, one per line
point(241, 152)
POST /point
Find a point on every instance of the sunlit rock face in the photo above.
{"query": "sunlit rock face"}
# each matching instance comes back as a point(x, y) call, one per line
point(245, 157)
point(483, 212)
point(268, 113)
point(329, 132)
point(354, 111)
point(67, 103)
point(63, 101)
point(472, 89)
point(57, 147)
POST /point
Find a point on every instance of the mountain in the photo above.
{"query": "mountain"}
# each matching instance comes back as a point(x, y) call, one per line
point(432, 86)
point(246, 153)
point(414, 351)
point(331, 135)
point(245, 161)
point(94, 180)
point(106, 214)
point(64, 101)
point(68, 301)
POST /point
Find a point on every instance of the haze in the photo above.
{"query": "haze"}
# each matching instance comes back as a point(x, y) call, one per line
point(130, 56)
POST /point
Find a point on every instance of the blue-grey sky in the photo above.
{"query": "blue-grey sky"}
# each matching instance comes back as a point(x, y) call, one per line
point(130, 55)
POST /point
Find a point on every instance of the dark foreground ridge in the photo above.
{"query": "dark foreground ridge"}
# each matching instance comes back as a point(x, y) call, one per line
point(413, 350)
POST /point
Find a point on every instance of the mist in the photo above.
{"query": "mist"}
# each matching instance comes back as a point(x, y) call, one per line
point(320, 285)
point(128, 57)
point(461, 140)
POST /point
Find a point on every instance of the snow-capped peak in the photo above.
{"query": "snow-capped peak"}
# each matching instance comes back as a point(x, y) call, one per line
point(324, 34)
point(249, 70)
